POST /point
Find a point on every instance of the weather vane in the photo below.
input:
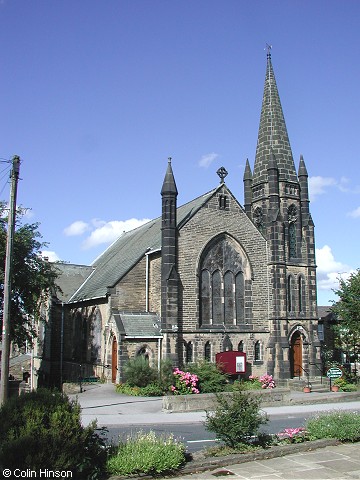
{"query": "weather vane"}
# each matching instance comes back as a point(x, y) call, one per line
point(268, 49)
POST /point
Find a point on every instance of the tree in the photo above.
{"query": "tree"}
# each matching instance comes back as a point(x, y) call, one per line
point(347, 311)
point(32, 276)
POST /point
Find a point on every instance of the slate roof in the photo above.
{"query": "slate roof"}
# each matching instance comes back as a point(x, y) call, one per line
point(137, 324)
point(127, 250)
point(70, 278)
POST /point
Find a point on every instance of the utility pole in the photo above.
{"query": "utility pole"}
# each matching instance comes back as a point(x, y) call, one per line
point(5, 354)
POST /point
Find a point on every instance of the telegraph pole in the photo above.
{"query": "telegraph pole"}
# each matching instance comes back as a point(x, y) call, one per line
point(5, 355)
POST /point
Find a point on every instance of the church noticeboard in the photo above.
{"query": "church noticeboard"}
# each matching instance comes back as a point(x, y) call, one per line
point(233, 363)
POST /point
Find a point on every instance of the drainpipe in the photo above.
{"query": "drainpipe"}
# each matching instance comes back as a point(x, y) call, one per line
point(147, 282)
point(61, 344)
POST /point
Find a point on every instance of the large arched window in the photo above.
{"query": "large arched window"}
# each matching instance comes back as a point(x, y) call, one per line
point(224, 276)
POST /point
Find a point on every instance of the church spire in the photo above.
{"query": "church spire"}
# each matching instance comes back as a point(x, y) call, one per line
point(272, 136)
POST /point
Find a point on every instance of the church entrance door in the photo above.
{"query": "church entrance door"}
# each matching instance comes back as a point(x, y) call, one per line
point(296, 355)
point(114, 360)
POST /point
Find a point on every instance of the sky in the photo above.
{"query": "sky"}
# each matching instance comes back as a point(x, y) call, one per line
point(96, 95)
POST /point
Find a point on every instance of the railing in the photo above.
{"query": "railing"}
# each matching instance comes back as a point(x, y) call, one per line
point(316, 365)
point(298, 368)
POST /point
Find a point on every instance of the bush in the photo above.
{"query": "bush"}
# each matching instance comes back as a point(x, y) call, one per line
point(42, 429)
point(184, 383)
point(344, 426)
point(148, 454)
point(211, 378)
point(138, 372)
point(344, 386)
point(236, 418)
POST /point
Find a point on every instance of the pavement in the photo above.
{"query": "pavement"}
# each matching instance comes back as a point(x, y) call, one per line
point(332, 460)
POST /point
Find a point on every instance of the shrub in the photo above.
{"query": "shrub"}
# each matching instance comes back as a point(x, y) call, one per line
point(138, 372)
point(42, 429)
point(185, 383)
point(344, 386)
point(211, 378)
point(146, 453)
point(344, 426)
point(235, 419)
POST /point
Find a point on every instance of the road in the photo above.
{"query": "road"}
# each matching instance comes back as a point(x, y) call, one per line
point(196, 437)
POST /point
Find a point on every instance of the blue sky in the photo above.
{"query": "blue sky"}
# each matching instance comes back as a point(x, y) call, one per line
point(96, 95)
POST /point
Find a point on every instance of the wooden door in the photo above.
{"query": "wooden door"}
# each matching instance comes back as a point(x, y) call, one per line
point(296, 355)
point(114, 360)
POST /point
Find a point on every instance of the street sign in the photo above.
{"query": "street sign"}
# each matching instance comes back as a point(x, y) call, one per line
point(334, 372)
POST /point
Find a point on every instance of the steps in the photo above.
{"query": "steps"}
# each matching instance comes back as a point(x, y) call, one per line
point(318, 384)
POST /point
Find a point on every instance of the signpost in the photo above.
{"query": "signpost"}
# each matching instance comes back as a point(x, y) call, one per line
point(334, 372)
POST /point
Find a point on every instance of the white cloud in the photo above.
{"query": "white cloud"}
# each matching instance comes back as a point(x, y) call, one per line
point(206, 160)
point(76, 228)
point(107, 232)
point(355, 213)
point(318, 185)
point(50, 255)
point(329, 269)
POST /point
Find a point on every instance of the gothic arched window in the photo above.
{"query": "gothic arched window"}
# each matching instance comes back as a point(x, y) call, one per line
point(189, 353)
point(292, 218)
point(224, 273)
point(290, 294)
point(207, 352)
point(257, 351)
point(301, 294)
point(241, 346)
point(227, 345)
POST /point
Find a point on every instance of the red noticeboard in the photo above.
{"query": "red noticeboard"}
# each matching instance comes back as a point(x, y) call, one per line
point(232, 362)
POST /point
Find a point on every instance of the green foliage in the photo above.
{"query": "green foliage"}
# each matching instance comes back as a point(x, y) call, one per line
point(251, 384)
point(42, 429)
point(344, 426)
point(165, 375)
point(236, 418)
point(347, 310)
point(152, 390)
point(211, 378)
point(146, 453)
point(138, 372)
point(32, 276)
point(344, 386)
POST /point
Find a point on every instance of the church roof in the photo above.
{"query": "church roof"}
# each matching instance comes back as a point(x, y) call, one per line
point(272, 136)
point(127, 250)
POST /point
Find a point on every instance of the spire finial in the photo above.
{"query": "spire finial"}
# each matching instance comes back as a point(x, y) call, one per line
point(169, 159)
point(268, 49)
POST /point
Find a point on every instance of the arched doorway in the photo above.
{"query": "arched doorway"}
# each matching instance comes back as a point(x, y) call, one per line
point(114, 360)
point(296, 348)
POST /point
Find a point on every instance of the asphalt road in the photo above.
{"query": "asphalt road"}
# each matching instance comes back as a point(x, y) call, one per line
point(196, 436)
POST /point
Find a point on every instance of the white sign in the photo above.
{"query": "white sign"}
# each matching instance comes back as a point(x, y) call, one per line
point(240, 364)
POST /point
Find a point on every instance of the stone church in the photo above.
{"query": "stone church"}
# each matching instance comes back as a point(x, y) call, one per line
point(205, 277)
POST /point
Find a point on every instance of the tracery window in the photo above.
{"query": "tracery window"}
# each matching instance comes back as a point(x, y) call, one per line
point(224, 270)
